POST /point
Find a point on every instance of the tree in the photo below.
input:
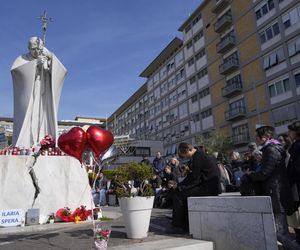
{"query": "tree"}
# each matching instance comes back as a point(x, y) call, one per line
point(217, 141)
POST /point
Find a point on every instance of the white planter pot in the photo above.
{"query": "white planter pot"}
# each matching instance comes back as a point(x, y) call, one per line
point(136, 214)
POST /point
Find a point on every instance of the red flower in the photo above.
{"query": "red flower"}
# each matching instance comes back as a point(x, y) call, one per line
point(104, 233)
point(66, 215)
point(47, 142)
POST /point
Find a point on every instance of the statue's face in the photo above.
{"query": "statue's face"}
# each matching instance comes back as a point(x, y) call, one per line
point(35, 48)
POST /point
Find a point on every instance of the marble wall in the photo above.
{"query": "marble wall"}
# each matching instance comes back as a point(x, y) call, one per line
point(62, 180)
point(233, 223)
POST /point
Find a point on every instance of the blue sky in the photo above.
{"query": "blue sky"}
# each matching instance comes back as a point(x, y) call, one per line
point(104, 44)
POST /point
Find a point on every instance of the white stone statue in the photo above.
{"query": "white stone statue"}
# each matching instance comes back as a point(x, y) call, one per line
point(38, 79)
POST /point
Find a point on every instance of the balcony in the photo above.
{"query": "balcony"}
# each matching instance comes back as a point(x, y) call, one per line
point(240, 139)
point(226, 44)
point(222, 23)
point(229, 65)
point(235, 113)
point(220, 5)
point(232, 89)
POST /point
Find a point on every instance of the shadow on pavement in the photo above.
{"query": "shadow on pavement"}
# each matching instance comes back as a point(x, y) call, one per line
point(81, 234)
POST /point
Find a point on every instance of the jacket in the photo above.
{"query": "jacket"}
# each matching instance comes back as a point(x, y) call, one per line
point(204, 173)
point(293, 167)
point(273, 180)
point(159, 165)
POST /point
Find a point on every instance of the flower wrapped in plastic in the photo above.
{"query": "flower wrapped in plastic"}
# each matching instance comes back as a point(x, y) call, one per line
point(101, 235)
point(47, 142)
point(79, 214)
point(64, 214)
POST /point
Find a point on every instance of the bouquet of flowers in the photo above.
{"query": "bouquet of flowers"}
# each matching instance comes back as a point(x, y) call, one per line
point(47, 142)
point(64, 214)
point(79, 214)
point(101, 236)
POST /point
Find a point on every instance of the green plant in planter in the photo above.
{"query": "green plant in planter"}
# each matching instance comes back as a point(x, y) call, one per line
point(125, 176)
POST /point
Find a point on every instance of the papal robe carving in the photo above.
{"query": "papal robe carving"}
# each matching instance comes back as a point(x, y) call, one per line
point(38, 79)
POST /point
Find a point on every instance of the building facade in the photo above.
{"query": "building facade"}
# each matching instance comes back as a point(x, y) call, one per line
point(236, 67)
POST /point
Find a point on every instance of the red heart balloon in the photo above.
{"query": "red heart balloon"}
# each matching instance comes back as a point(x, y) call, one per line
point(99, 139)
point(73, 142)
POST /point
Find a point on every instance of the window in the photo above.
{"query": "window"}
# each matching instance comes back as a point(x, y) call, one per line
point(179, 57)
point(274, 58)
point(183, 109)
point(200, 54)
point(206, 113)
point(196, 20)
point(284, 115)
point(240, 130)
point(202, 73)
point(268, 6)
point(228, 35)
point(234, 80)
point(171, 83)
point(189, 45)
point(291, 18)
point(198, 36)
point(191, 62)
point(279, 87)
point(297, 80)
point(163, 87)
point(140, 151)
point(179, 74)
point(181, 92)
point(192, 80)
point(195, 117)
point(237, 105)
point(204, 93)
point(269, 33)
point(188, 28)
point(194, 98)
point(170, 66)
point(294, 47)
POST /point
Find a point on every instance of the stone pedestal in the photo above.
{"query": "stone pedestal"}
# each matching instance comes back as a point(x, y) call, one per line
point(62, 180)
point(233, 223)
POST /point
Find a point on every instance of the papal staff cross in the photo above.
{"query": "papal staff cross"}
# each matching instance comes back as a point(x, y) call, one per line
point(45, 20)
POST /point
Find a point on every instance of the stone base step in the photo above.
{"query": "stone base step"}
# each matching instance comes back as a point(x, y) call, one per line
point(168, 244)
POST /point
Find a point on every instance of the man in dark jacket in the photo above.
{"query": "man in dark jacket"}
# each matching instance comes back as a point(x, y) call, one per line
point(273, 182)
point(202, 180)
point(145, 160)
point(159, 164)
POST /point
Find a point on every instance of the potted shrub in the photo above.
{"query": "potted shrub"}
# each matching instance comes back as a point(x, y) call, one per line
point(136, 197)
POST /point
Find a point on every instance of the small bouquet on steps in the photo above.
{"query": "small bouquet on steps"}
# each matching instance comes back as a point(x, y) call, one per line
point(101, 236)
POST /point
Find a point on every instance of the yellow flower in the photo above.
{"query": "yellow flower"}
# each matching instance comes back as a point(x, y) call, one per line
point(77, 219)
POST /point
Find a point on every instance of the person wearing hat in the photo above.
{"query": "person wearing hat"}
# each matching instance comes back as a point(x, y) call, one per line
point(273, 181)
point(293, 166)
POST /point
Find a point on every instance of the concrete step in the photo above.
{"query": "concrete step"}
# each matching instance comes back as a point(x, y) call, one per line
point(168, 244)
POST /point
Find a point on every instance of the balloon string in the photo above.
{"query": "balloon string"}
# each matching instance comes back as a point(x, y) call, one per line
point(95, 163)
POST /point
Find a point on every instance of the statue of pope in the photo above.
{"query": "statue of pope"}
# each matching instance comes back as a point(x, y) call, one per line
point(38, 79)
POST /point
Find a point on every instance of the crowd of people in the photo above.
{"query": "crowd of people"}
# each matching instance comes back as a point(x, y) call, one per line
point(270, 167)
